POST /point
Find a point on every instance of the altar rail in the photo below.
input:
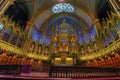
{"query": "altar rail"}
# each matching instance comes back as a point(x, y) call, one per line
point(82, 72)
point(8, 69)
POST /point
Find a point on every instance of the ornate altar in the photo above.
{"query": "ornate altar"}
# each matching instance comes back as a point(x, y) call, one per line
point(64, 44)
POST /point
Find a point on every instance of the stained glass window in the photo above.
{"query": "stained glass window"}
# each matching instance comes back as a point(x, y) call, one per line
point(7, 34)
point(114, 33)
point(1, 27)
point(14, 39)
point(118, 24)
point(63, 7)
point(20, 42)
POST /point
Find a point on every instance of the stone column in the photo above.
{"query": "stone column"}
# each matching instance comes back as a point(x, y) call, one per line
point(98, 28)
point(28, 28)
point(2, 33)
point(28, 38)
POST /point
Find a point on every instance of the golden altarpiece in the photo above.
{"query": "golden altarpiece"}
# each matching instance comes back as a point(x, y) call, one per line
point(64, 44)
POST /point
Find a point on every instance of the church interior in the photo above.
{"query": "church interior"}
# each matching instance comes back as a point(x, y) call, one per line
point(59, 39)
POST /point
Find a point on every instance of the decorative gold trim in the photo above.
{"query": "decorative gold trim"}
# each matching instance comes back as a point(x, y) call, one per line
point(102, 52)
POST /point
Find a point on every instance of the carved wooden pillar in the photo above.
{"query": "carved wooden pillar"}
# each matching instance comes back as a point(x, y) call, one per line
point(28, 28)
point(111, 36)
point(99, 41)
point(106, 39)
point(17, 41)
point(43, 39)
point(113, 21)
point(115, 27)
point(28, 38)
point(36, 47)
point(2, 33)
point(23, 43)
point(109, 30)
point(27, 43)
point(98, 28)
point(11, 37)
point(43, 49)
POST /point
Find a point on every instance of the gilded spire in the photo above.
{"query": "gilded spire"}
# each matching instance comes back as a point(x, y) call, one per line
point(52, 28)
point(64, 26)
point(71, 29)
point(56, 28)
point(109, 16)
point(64, 22)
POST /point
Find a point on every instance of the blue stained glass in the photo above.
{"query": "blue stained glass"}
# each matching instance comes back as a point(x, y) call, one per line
point(118, 24)
point(7, 34)
point(63, 7)
point(114, 33)
point(14, 39)
point(1, 27)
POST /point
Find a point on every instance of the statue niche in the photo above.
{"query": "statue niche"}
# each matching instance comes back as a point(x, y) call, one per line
point(46, 50)
point(32, 47)
point(63, 46)
point(39, 49)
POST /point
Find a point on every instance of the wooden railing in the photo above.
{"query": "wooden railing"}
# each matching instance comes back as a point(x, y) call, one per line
point(82, 72)
point(14, 69)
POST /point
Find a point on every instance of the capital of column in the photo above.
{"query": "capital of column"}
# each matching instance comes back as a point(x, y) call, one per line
point(96, 21)
point(29, 25)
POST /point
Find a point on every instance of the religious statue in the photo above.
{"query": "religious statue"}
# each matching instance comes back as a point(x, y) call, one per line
point(46, 50)
point(73, 48)
point(82, 50)
point(95, 47)
point(64, 46)
point(54, 48)
point(40, 49)
point(32, 46)
point(89, 50)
